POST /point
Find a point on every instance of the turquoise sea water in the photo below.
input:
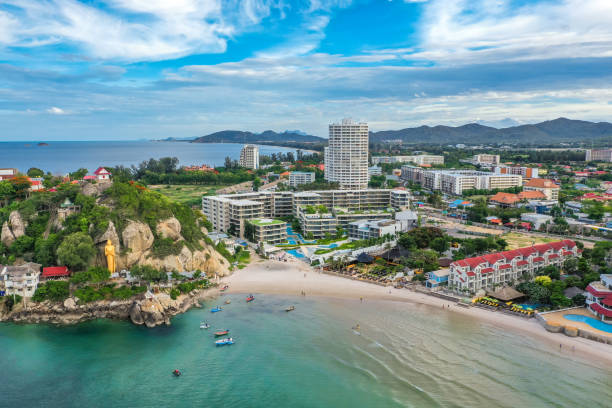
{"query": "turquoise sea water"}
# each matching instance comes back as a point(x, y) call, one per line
point(598, 324)
point(405, 356)
point(63, 157)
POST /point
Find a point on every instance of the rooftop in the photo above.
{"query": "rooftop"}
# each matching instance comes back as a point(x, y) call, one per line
point(266, 221)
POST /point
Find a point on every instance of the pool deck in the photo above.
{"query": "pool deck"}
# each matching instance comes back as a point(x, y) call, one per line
point(557, 317)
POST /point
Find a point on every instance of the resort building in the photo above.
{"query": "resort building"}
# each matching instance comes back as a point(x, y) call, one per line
point(487, 271)
point(346, 155)
point(604, 155)
point(6, 174)
point(366, 229)
point(266, 230)
point(249, 157)
point(526, 172)
point(421, 159)
point(301, 177)
point(457, 181)
point(599, 298)
point(20, 280)
point(546, 186)
point(437, 278)
point(317, 224)
point(345, 216)
point(227, 213)
point(487, 159)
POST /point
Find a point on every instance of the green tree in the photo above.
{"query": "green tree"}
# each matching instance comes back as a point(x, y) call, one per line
point(256, 184)
point(7, 191)
point(34, 172)
point(440, 244)
point(76, 251)
point(79, 174)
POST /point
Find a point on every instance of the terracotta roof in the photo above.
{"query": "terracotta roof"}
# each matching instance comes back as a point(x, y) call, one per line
point(505, 266)
point(538, 259)
point(531, 195)
point(505, 198)
point(553, 256)
point(52, 271)
point(521, 263)
point(541, 183)
point(486, 270)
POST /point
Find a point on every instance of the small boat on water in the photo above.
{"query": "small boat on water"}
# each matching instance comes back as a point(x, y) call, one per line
point(215, 309)
point(224, 342)
point(176, 373)
point(224, 288)
point(290, 309)
point(250, 298)
point(228, 301)
point(204, 325)
point(221, 332)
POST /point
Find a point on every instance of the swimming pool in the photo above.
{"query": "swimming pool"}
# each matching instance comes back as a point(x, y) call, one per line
point(295, 253)
point(597, 324)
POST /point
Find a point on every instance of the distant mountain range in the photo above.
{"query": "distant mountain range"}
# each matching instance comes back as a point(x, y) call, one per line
point(552, 131)
point(267, 137)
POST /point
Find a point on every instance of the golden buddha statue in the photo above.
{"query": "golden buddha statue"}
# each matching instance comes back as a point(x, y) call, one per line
point(109, 252)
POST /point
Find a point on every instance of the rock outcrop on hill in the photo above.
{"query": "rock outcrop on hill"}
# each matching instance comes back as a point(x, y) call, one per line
point(147, 309)
point(135, 247)
point(7, 236)
point(12, 229)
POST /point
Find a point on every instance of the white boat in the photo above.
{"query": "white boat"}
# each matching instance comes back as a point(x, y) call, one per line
point(204, 325)
point(224, 342)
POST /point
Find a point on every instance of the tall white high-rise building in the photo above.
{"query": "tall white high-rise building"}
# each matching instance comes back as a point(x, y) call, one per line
point(346, 156)
point(249, 157)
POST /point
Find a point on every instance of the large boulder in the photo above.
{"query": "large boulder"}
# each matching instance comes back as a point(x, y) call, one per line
point(17, 224)
point(138, 239)
point(94, 189)
point(135, 313)
point(7, 236)
point(170, 228)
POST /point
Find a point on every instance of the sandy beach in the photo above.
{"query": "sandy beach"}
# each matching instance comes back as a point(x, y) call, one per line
point(293, 277)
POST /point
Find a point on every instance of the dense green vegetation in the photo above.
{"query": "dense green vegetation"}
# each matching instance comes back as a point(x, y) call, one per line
point(55, 291)
point(111, 291)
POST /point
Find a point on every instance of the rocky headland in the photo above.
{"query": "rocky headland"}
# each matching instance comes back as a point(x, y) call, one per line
point(146, 309)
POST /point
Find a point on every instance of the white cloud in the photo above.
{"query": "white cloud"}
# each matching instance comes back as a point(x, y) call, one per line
point(130, 30)
point(467, 31)
point(54, 110)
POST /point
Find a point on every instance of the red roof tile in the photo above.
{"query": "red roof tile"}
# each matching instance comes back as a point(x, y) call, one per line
point(601, 310)
point(53, 271)
point(470, 273)
point(486, 270)
point(101, 170)
point(521, 263)
point(538, 259)
point(553, 256)
point(505, 266)
point(598, 293)
point(607, 300)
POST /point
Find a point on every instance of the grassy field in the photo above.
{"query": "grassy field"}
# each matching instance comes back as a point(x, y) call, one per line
point(518, 240)
point(186, 194)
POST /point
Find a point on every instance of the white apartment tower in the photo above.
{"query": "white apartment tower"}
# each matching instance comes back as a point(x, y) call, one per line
point(249, 157)
point(346, 156)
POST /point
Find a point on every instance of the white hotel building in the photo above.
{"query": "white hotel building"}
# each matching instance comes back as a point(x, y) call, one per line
point(249, 157)
point(483, 272)
point(346, 156)
point(457, 181)
point(231, 211)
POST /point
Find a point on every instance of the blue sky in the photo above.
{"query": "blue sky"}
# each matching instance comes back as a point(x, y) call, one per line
point(131, 69)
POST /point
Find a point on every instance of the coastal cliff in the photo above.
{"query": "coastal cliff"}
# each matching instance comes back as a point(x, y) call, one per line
point(147, 309)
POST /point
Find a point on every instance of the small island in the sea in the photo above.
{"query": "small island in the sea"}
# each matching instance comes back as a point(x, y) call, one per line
point(43, 144)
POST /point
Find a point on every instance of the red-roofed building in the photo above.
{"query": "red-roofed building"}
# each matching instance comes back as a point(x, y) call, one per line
point(488, 270)
point(55, 272)
point(599, 298)
point(102, 174)
point(546, 186)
